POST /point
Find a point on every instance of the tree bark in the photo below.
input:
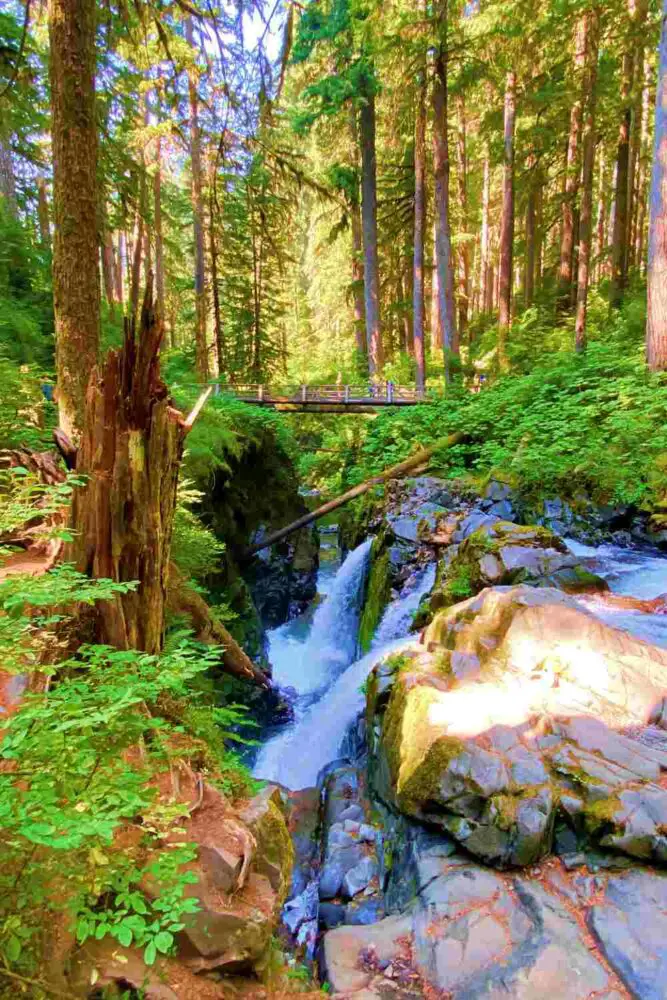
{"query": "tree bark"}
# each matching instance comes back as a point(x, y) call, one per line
point(619, 248)
point(130, 456)
point(120, 256)
point(419, 234)
point(656, 326)
point(220, 345)
point(572, 170)
point(529, 278)
point(43, 214)
point(586, 213)
point(484, 253)
point(108, 271)
point(201, 347)
point(436, 319)
point(137, 248)
point(76, 283)
point(463, 254)
point(7, 179)
point(159, 239)
point(644, 168)
point(507, 222)
point(441, 170)
point(370, 233)
point(357, 249)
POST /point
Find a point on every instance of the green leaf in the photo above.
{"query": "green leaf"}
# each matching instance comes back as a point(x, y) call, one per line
point(150, 953)
point(164, 941)
point(12, 948)
point(124, 935)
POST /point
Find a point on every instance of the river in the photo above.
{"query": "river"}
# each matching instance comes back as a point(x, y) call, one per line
point(316, 655)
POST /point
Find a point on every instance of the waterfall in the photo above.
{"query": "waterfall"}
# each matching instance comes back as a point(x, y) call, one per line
point(310, 666)
point(295, 757)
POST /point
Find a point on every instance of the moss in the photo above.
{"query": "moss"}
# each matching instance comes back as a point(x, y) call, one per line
point(274, 844)
point(602, 813)
point(422, 784)
point(378, 593)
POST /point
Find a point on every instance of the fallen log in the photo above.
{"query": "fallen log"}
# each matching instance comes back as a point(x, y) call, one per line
point(421, 459)
point(184, 600)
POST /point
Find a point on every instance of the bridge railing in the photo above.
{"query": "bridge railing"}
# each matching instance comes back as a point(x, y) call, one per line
point(385, 392)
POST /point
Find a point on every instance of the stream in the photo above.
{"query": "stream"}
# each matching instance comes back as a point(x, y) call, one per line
point(316, 655)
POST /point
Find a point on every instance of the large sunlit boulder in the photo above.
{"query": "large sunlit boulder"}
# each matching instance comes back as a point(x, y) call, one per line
point(510, 714)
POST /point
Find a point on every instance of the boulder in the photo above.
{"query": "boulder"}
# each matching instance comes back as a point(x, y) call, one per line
point(506, 719)
point(630, 922)
point(242, 874)
point(498, 552)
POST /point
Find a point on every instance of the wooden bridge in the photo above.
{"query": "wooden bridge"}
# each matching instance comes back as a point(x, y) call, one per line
point(325, 398)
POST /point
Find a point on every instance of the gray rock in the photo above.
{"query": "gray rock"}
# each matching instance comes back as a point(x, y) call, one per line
point(490, 568)
point(356, 879)
point(302, 908)
point(503, 509)
point(497, 491)
point(409, 527)
point(498, 944)
point(332, 915)
point(631, 925)
point(472, 523)
point(365, 911)
point(336, 867)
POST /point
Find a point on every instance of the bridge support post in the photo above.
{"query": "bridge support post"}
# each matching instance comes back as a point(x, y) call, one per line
point(347, 394)
point(304, 393)
point(260, 393)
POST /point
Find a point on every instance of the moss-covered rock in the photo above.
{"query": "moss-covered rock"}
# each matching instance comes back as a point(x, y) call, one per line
point(377, 595)
point(504, 553)
point(506, 716)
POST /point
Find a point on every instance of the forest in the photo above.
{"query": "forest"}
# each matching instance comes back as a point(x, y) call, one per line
point(333, 499)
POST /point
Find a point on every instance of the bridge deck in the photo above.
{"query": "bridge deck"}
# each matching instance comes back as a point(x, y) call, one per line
point(325, 398)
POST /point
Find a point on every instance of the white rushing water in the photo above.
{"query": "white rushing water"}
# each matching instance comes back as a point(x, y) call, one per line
point(328, 705)
point(630, 572)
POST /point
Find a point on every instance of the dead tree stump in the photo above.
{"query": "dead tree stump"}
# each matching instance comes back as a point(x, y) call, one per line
point(130, 453)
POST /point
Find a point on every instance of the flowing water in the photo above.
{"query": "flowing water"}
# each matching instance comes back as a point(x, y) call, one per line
point(637, 573)
point(321, 665)
point(316, 655)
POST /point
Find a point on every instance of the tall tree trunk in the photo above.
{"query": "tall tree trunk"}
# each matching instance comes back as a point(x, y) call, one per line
point(572, 172)
point(443, 243)
point(220, 345)
point(601, 221)
point(656, 326)
point(586, 214)
point(108, 271)
point(644, 168)
point(120, 257)
point(137, 248)
point(76, 281)
point(507, 222)
point(463, 253)
point(7, 179)
point(370, 232)
point(357, 248)
point(484, 250)
point(529, 281)
point(436, 319)
point(43, 214)
point(201, 348)
point(420, 225)
point(619, 248)
point(159, 239)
